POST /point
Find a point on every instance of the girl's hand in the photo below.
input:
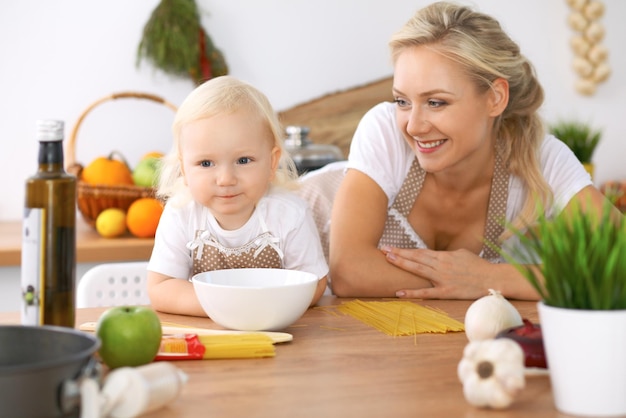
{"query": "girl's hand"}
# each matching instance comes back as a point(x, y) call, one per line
point(458, 274)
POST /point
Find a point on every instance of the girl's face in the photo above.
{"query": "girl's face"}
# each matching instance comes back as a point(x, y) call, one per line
point(228, 162)
point(445, 121)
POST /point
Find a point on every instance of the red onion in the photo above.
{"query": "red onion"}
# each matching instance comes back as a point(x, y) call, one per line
point(529, 337)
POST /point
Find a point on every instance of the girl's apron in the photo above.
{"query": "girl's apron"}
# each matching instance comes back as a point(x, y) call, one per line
point(209, 254)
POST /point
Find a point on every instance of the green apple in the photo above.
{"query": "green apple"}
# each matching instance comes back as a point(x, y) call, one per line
point(129, 336)
point(145, 173)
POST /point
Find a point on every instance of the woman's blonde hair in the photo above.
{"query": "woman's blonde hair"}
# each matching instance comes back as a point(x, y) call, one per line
point(485, 52)
point(220, 95)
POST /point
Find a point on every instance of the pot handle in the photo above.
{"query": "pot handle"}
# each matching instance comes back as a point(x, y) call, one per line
point(90, 400)
point(72, 389)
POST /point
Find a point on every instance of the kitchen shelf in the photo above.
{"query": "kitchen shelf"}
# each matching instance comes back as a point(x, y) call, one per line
point(90, 247)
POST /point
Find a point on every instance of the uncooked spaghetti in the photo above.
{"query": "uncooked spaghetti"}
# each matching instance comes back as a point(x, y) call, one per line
point(198, 347)
point(399, 318)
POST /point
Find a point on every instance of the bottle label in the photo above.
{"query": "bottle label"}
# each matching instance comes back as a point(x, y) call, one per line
point(33, 242)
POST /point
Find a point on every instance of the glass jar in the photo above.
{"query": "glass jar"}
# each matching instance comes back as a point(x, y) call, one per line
point(306, 154)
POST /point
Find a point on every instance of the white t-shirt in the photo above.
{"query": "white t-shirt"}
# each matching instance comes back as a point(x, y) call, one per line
point(286, 217)
point(379, 150)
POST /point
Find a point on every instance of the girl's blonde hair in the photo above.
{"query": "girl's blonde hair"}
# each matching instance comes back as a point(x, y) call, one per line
point(219, 95)
point(485, 52)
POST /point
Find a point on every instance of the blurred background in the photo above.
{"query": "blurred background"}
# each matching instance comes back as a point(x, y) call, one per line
point(60, 56)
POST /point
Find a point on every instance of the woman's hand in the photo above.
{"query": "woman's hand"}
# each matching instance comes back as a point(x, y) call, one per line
point(458, 274)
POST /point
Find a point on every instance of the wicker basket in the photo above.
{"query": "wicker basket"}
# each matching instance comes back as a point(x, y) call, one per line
point(94, 198)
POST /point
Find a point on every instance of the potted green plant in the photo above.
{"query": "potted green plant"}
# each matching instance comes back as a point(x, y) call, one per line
point(577, 263)
point(580, 137)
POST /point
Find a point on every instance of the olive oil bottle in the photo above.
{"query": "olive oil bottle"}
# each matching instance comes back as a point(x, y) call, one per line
point(49, 235)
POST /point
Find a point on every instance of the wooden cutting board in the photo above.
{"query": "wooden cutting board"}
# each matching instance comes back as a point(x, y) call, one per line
point(334, 117)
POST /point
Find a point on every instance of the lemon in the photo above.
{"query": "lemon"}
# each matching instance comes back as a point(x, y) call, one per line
point(111, 223)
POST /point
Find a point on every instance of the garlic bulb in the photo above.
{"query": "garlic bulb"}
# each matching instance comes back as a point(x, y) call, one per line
point(598, 54)
point(492, 372)
point(601, 73)
point(577, 21)
point(590, 57)
point(489, 315)
point(594, 32)
point(577, 4)
point(585, 86)
point(580, 45)
point(594, 10)
point(582, 67)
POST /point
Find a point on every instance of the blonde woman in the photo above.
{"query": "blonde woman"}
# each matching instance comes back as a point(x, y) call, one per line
point(227, 182)
point(432, 176)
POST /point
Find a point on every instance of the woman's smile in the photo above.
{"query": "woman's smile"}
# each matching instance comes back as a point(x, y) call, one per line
point(429, 146)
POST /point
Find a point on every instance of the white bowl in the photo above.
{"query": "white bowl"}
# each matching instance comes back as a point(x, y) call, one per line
point(255, 299)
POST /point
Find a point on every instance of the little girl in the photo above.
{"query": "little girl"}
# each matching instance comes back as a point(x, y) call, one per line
point(227, 184)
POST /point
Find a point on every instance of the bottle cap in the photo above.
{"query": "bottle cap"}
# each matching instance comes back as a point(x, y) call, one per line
point(49, 130)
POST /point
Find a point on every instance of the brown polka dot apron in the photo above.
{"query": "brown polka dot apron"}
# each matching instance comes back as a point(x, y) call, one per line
point(209, 254)
point(399, 233)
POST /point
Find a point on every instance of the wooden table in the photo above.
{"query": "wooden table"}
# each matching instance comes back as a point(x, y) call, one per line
point(337, 366)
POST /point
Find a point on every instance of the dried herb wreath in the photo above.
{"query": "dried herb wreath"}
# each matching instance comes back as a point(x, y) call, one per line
point(174, 41)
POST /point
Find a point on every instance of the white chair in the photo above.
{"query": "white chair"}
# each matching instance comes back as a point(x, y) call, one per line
point(113, 284)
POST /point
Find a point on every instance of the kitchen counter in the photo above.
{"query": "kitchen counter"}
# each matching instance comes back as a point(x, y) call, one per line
point(337, 366)
point(91, 247)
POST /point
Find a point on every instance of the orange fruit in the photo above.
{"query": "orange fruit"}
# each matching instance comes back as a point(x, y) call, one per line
point(108, 171)
point(153, 154)
point(142, 217)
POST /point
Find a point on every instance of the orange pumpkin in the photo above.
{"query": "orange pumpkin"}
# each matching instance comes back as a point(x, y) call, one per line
point(108, 171)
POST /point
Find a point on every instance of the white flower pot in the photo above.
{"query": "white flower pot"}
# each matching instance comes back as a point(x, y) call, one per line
point(586, 354)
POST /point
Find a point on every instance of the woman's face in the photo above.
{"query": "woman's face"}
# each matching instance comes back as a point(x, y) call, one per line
point(444, 119)
point(228, 162)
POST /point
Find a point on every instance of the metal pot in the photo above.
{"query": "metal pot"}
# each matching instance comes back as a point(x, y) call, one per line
point(40, 368)
point(306, 154)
